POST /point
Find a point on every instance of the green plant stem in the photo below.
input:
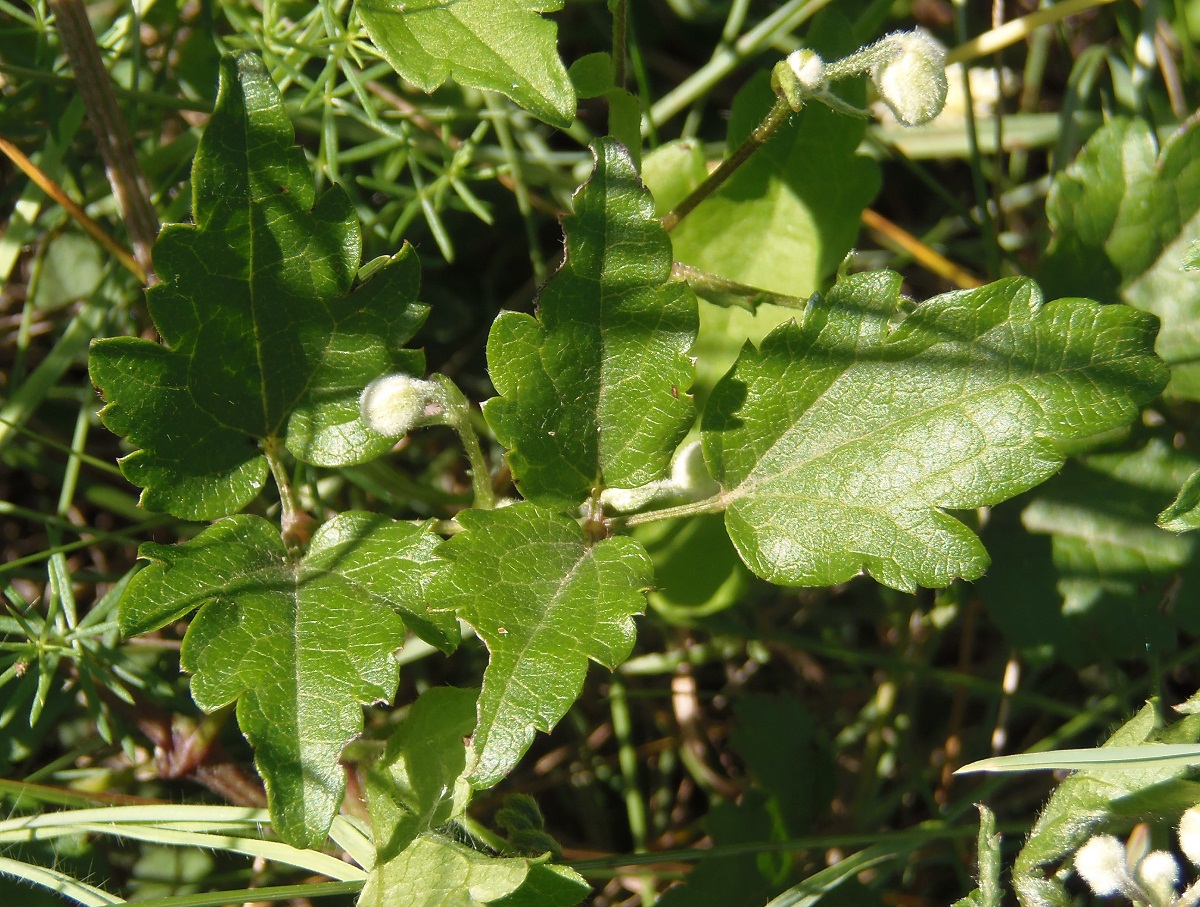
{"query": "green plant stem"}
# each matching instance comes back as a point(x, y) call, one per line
point(108, 125)
point(714, 504)
point(293, 520)
point(726, 60)
point(620, 38)
point(762, 132)
point(458, 417)
point(730, 293)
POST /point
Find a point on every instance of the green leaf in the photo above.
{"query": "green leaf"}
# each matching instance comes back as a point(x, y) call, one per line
point(263, 336)
point(418, 785)
point(1184, 512)
point(842, 440)
point(496, 45)
point(544, 601)
point(1125, 225)
point(299, 643)
point(697, 572)
point(1115, 567)
point(548, 885)
point(592, 392)
point(592, 75)
point(1083, 802)
point(434, 871)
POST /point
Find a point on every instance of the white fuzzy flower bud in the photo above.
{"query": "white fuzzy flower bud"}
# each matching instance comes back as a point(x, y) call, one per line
point(1189, 835)
point(911, 79)
point(809, 70)
point(1101, 863)
point(392, 405)
point(1159, 874)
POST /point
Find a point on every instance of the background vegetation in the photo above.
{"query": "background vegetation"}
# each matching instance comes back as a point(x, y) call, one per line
point(758, 734)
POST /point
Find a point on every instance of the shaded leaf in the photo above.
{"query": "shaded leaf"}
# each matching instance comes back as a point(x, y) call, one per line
point(786, 219)
point(592, 392)
point(263, 337)
point(842, 440)
point(497, 45)
point(1127, 584)
point(1125, 225)
point(299, 643)
point(544, 601)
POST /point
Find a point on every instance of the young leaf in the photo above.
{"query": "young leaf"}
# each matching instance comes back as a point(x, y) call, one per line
point(299, 643)
point(262, 335)
point(841, 440)
point(592, 393)
point(544, 601)
point(418, 785)
point(434, 871)
point(786, 219)
point(1125, 225)
point(497, 45)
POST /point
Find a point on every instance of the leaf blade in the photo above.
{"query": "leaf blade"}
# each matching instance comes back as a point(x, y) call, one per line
point(545, 602)
point(498, 45)
point(299, 644)
point(591, 393)
point(841, 440)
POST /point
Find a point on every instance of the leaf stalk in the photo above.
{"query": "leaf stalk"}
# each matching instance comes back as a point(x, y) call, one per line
point(757, 138)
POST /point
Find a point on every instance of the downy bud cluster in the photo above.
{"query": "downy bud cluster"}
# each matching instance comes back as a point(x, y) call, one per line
point(1147, 878)
point(908, 70)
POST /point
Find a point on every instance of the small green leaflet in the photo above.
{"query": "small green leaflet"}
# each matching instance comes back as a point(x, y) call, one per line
point(496, 45)
point(298, 643)
point(1167, 755)
point(417, 788)
point(544, 601)
point(842, 440)
point(265, 339)
point(593, 392)
point(418, 785)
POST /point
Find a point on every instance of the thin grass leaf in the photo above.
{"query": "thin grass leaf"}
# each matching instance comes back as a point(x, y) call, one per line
point(1093, 760)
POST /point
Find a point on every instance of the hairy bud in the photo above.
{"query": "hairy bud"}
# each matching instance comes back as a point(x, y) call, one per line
point(394, 404)
point(911, 77)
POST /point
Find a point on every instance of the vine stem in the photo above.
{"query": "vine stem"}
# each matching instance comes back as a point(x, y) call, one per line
point(714, 504)
point(729, 293)
point(755, 140)
point(458, 417)
point(295, 523)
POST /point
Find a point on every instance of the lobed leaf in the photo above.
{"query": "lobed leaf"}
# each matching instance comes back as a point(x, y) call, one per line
point(592, 391)
point(496, 45)
point(264, 337)
point(544, 601)
point(840, 443)
point(299, 643)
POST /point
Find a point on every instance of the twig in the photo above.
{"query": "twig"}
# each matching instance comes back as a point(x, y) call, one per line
point(112, 137)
